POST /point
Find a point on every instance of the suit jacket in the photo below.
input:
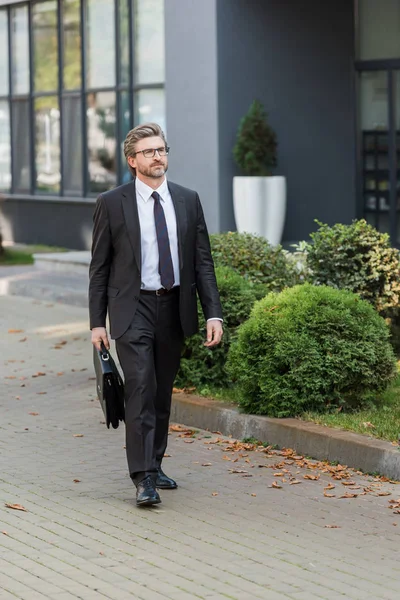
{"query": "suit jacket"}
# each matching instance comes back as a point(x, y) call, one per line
point(115, 268)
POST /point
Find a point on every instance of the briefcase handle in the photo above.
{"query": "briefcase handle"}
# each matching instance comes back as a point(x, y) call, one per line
point(104, 352)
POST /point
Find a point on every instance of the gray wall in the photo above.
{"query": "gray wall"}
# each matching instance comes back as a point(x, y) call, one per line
point(192, 99)
point(297, 58)
point(56, 223)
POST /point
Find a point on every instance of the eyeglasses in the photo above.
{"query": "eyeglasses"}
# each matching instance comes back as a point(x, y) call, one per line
point(151, 152)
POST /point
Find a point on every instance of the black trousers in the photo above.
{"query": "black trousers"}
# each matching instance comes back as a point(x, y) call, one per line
point(149, 353)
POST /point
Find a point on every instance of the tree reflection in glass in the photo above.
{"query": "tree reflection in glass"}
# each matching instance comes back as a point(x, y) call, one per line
point(47, 144)
point(101, 127)
point(45, 44)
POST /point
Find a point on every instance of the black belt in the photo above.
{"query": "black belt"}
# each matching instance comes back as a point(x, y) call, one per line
point(161, 291)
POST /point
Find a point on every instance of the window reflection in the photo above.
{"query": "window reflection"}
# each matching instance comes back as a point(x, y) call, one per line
point(124, 41)
point(47, 144)
point(20, 49)
point(21, 134)
point(4, 82)
point(101, 141)
point(150, 106)
point(149, 41)
point(72, 44)
point(72, 145)
point(125, 126)
point(5, 146)
point(100, 43)
point(45, 45)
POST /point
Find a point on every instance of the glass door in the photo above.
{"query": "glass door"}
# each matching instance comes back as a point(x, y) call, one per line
point(379, 119)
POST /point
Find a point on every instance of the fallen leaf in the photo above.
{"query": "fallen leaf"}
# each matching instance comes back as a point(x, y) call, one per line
point(39, 374)
point(225, 457)
point(254, 495)
point(294, 482)
point(329, 495)
point(60, 373)
point(15, 331)
point(279, 474)
point(167, 456)
point(4, 532)
point(16, 507)
point(236, 471)
point(206, 464)
point(330, 486)
point(23, 339)
point(332, 526)
point(41, 393)
point(102, 553)
point(368, 424)
point(347, 495)
point(76, 480)
point(313, 477)
point(214, 494)
point(77, 435)
point(217, 432)
point(188, 441)
point(348, 483)
point(275, 485)
point(384, 493)
point(34, 414)
point(180, 428)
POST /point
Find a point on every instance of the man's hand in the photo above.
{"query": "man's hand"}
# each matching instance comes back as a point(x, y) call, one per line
point(99, 334)
point(214, 333)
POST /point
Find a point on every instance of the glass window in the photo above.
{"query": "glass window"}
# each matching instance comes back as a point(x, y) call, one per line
point(47, 144)
point(72, 44)
point(149, 41)
point(379, 29)
point(45, 45)
point(100, 43)
point(125, 126)
point(72, 145)
point(20, 50)
point(21, 137)
point(5, 146)
point(150, 106)
point(101, 141)
point(4, 73)
point(123, 42)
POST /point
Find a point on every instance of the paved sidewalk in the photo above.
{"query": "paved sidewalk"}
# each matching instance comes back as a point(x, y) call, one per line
point(225, 533)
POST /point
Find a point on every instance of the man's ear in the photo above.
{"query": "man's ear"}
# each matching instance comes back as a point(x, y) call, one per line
point(131, 162)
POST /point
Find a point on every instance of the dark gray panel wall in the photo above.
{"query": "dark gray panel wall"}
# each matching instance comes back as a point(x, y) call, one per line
point(192, 99)
point(64, 224)
point(297, 58)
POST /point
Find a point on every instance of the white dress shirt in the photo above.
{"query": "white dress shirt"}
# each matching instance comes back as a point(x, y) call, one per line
point(151, 279)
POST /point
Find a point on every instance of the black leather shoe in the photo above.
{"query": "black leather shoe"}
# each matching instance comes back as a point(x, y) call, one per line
point(163, 482)
point(146, 493)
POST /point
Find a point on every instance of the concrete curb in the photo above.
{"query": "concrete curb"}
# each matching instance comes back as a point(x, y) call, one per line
point(354, 450)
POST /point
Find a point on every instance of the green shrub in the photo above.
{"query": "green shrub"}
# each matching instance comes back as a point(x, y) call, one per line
point(310, 348)
point(255, 148)
point(358, 258)
point(201, 366)
point(266, 266)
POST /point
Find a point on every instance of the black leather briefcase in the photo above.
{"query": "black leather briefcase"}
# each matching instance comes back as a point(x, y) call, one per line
point(109, 387)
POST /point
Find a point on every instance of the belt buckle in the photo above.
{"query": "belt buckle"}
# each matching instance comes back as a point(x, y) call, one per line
point(160, 292)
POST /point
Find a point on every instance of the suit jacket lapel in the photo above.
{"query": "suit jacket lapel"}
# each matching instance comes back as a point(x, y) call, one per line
point(129, 206)
point(181, 219)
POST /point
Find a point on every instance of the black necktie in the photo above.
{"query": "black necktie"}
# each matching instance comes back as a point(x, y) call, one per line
point(165, 265)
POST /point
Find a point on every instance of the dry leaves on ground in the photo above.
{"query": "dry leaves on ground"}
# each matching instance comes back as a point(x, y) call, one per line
point(15, 331)
point(16, 506)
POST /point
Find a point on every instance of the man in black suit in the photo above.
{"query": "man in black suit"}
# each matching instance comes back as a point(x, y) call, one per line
point(150, 256)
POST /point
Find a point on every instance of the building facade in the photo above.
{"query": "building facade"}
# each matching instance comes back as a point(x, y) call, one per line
point(76, 75)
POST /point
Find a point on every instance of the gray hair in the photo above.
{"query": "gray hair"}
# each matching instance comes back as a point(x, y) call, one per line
point(140, 133)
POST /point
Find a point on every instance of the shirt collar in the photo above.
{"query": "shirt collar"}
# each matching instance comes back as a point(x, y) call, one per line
point(146, 191)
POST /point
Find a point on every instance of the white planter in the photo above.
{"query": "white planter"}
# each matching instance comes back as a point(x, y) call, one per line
point(260, 206)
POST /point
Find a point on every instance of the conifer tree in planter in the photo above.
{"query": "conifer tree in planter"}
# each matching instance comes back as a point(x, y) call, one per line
point(259, 197)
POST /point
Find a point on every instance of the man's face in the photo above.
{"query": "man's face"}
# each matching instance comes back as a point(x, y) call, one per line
point(153, 167)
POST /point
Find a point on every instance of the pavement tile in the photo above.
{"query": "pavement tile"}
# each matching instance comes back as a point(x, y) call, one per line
point(220, 535)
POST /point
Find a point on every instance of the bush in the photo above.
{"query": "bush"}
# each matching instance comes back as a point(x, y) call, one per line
point(310, 348)
point(266, 266)
point(255, 148)
point(358, 258)
point(201, 366)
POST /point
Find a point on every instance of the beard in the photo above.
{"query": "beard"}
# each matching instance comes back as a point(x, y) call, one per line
point(154, 171)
